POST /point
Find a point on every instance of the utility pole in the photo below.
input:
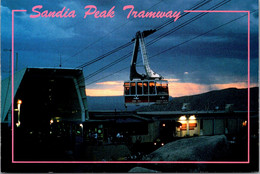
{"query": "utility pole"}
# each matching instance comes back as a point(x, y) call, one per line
point(16, 62)
point(60, 59)
point(10, 61)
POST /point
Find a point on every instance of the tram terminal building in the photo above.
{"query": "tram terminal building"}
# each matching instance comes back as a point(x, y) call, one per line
point(43, 95)
point(145, 127)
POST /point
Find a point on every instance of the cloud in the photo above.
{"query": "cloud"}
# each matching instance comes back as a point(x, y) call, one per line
point(172, 80)
point(34, 28)
point(176, 89)
point(105, 92)
point(239, 85)
point(111, 83)
point(185, 89)
point(215, 58)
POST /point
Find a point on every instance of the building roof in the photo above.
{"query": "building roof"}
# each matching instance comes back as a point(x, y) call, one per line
point(186, 112)
point(6, 87)
point(6, 84)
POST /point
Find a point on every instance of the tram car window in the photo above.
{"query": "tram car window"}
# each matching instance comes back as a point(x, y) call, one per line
point(152, 87)
point(127, 88)
point(145, 87)
point(132, 88)
point(139, 88)
point(162, 87)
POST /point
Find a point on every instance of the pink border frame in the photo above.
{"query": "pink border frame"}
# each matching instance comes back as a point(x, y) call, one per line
point(183, 162)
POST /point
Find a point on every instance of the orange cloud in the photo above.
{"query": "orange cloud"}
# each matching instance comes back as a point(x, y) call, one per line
point(105, 92)
point(233, 85)
point(108, 88)
point(184, 89)
point(111, 83)
point(176, 89)
point(172, 80)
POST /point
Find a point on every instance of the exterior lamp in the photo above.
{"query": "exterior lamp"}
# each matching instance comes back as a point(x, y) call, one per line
point(18, 124)
point(244, 123)
point(19, 102)
point(81, 125)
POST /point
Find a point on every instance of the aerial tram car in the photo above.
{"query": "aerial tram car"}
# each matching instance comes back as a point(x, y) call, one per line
point(144, 89)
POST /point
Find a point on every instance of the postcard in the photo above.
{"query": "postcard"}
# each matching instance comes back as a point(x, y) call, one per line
point(129, 86)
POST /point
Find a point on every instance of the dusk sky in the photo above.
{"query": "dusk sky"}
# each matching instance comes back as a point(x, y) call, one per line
point(215, 60)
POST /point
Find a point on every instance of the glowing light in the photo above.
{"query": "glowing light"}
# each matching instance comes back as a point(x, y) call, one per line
point(162, 144)
point(154, 144)
point(58, 121)
point(163, 125)
point(182, 118)
point(244, 123)
point(81, 125)
point(18, 124)
point(51, 121)
point(19, 101)
point(192, 117)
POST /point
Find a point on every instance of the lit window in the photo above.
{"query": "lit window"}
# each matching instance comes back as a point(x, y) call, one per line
point(162, 87)
point(133, 88)
point(139, 88)
point(127, 88)
point(192, 117)
point(182, 118)
point(145, 87)
point(151, 88)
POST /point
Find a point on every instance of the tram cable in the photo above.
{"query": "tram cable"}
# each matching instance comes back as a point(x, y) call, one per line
point(155, 40)
point(94, 42)
point(175, 46)
point(196, 6)
point(186, 23)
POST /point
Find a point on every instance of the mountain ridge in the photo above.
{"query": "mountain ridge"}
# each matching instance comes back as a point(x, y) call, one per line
point(212, 99)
